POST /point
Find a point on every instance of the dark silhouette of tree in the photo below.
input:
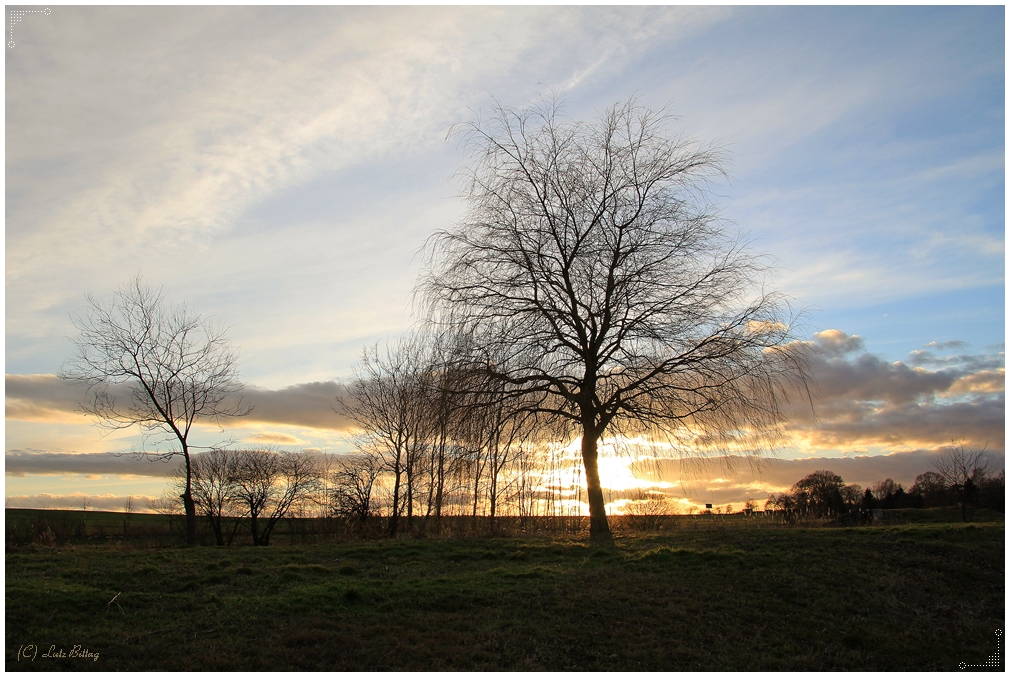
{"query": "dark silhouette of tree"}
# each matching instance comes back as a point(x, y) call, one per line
point(932, 489)
point(269, 484)
point(615, 298)
point(786, 504)
point(852, 495)
point(820, 493)
point(214, 489)
point(446, 412)
point(156, 366)
point(889, 495)
point(962, 469)
point(992, 491)
point(354, 477)
point(386, 401)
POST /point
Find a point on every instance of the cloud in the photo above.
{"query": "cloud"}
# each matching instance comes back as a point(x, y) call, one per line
point(946, 345)
point(925, 358)
point(43, 397)
point(46, 397)
point(311, 405)
point(835, 343)
point(104, 502)
point(861, 400)
point(986, 381)
point(869, 378)
point(722, 480)
point(273, 438)
point(20, 462)
point(978, 422)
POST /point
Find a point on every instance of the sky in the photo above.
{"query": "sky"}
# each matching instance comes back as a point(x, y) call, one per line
point(278, 169)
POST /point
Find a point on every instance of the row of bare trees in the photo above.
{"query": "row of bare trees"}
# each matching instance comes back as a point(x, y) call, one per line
point(447, 438)
point(261, 488)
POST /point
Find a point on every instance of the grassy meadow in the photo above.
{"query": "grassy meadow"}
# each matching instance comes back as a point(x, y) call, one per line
point(726, 596)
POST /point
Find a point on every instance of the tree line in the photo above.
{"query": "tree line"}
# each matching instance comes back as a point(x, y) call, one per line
point(257, 489)
point(961, 477)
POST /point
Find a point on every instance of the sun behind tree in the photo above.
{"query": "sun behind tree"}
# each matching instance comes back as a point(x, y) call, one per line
point(595, 275)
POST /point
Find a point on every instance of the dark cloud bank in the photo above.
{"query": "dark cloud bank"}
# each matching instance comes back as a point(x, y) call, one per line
point(20, 462)
point(45, 397)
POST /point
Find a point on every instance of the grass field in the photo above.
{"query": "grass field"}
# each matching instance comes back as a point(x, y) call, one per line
point(911, 597)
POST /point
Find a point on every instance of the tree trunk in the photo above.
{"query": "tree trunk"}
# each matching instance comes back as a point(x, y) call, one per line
point(395, 513)
point(187, 499)
point(441, 486)
point(216, 525)
point(410, 499)
point(599, 528)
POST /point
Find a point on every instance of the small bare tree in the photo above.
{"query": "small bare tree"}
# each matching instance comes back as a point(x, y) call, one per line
point(646, 510)
point(214, 490)
point(269, 484)
point(593, 262)
point(156, 366)
point(354, 477)
point(963, 469)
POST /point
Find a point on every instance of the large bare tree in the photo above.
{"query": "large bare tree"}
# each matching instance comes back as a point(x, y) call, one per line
point(157, 366)
point(592, 259)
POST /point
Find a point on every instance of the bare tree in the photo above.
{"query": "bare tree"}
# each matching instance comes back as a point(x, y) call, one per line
point(269, 484)
point(646, 510)
point(852, 494)
point(386, 401)
point(446, 412)
point(214, 491)
point(963, 469)
point(156, 366)
point(354, 477)
point(932, 488)
point(591, 258)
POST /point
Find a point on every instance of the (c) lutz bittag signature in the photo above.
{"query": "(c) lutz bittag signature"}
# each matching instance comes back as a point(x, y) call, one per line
point(31, 652)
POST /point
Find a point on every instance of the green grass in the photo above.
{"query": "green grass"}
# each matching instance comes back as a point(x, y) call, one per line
point(913, 597)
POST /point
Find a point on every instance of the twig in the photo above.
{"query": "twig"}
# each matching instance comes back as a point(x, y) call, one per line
point(117, 604)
